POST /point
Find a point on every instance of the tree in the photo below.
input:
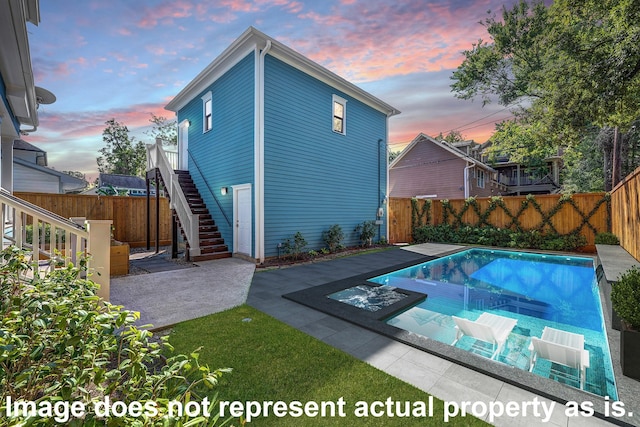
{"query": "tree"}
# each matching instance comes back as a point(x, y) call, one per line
point(164, 129)
point(452, 136)
point(121, 155)
point(565, 68)
point(393, 155)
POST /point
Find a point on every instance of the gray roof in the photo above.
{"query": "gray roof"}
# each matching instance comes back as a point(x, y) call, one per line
point(20, 144)
point(121, 181)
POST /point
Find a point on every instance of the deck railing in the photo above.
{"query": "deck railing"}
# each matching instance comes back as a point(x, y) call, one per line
point(157, 158)
point(51, 240)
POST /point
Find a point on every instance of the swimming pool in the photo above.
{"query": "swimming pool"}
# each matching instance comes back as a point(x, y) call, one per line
point(537, 290)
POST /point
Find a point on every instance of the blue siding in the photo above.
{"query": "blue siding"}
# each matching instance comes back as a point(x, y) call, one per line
point(224, 156)
point(314, 177)
point(3, 96)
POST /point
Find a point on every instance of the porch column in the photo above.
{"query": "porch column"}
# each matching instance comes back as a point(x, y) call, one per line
point(6, 164)
point(99, 247)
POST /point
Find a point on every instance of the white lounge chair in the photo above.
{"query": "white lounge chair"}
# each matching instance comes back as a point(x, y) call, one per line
point(562, 347)
point(488, 327)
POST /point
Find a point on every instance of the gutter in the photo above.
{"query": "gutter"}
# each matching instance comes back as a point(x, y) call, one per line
point(259, 157)
point(466, 179)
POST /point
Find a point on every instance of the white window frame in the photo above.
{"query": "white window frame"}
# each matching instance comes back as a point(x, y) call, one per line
point(481, 179)
point(206, 126)
point(339, 100)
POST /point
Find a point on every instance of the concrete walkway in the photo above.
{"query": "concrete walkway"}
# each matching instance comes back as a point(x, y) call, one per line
point(169, 297)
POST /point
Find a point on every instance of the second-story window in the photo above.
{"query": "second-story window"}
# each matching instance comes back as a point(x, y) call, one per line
point(207, 112)
point(339, 114)
point(480, 179)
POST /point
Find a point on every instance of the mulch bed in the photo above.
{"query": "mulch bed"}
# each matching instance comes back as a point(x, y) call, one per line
point(305, 258)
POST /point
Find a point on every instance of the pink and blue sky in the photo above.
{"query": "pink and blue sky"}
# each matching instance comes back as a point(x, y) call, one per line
point(127, 59)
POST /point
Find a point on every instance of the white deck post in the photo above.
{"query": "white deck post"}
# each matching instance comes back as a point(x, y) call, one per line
point(99, 247)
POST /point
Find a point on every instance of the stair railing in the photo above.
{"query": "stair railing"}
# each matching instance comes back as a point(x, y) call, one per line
point(50, 240)
point(195, 163)
point(156, 158)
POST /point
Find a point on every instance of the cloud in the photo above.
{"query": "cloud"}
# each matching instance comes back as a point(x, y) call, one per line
point(375, 39)
point(164, 14)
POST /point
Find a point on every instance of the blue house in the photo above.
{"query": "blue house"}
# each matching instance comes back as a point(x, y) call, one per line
point(276, 144)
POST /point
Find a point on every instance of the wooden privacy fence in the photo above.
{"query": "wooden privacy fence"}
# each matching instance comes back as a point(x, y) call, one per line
point(129, 214)
point(586, 214)
point(625, 205)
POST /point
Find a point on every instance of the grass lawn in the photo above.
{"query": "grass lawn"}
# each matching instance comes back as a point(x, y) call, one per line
point(272, 361)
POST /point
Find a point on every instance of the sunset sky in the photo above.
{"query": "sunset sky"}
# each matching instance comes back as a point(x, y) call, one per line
point(127, 59)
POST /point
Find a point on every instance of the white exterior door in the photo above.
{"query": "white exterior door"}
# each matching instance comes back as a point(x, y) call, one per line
point(242, 219)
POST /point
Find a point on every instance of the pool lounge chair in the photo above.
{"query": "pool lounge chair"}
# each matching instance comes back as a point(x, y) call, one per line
point(488, 327)
point(562, 347)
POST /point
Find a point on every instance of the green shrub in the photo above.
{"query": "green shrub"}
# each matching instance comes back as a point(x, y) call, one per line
point(333, 237)
point(607, 239)
point(366, 231)
point(59, 342)
point(625, 297)
point(60, 234)
point(492, 236)
point(295, 247)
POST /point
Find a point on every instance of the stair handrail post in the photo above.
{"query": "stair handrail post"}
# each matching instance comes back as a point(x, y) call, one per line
point(100, 254)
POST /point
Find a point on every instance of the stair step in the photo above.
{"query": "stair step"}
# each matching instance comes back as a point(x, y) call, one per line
point(209, 234)
point(211, 242)
point(209, 257)
point(213, 248)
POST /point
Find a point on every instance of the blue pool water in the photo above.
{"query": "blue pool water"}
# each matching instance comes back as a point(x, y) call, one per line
point(537, 290)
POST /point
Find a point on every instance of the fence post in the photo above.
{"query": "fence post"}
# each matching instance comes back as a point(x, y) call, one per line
point(99, 247)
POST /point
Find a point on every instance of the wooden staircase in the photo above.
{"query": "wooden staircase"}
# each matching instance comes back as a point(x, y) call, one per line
point(212, 244)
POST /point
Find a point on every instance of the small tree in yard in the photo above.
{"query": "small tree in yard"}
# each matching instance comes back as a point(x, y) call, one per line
point(333, 237)
point(366, 231)
point(295, 247)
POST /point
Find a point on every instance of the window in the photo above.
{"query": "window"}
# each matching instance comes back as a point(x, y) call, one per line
point(339, 114)
point(207, 113)
point(480, 179)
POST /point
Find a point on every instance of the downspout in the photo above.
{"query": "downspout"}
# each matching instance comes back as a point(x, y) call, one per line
point(466, 179)
point(259, 162)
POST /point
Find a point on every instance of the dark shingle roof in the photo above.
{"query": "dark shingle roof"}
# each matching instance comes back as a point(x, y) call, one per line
point(121, 181)
point(19, 144)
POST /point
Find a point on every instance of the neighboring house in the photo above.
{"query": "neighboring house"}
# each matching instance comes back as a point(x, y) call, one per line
point(277, 144)
point(32, 174)
point(121, 185)
point(521, 179)
point(437, 169)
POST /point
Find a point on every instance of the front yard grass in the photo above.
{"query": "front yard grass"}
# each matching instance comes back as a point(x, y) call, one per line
point(272, 361)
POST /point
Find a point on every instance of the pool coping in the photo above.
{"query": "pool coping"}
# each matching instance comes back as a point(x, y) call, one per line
point(315, 298)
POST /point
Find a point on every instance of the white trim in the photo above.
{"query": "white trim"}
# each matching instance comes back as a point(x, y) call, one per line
point(335, 99)
point(259, 153)
point(205, 98)
point(183, 145)
point(235, 189)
